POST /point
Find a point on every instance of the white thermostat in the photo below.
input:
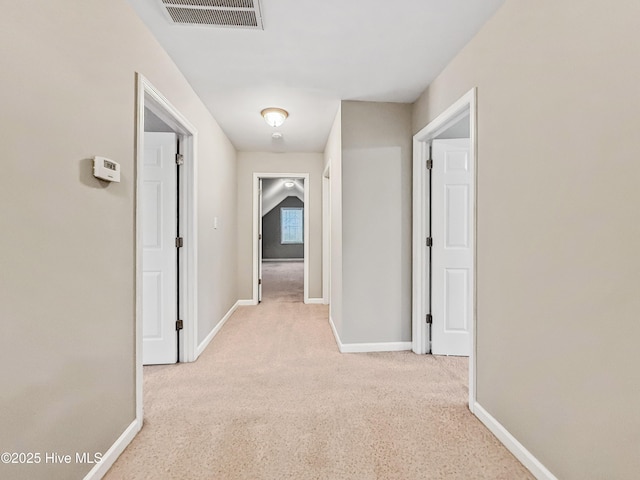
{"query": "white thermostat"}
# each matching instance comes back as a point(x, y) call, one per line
point(106, 169)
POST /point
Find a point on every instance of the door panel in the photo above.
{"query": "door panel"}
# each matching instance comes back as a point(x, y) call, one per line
point(159, 270)
point(455, 287)
point(456, 208)
point(152, 294)
point(452, 251)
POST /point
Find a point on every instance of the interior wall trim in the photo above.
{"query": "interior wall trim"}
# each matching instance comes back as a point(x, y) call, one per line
point(214, 331)
point(110, 456)
point(513, 445)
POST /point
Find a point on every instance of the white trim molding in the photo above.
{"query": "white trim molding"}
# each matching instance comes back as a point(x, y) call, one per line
point(375, 347)
point(283, 260)
point(246, 303)
point(205, 343)
point(514, 446)
point(326, 234)
point(335, 333)
point(367, 347)
point(315, 301)
point(110, 456)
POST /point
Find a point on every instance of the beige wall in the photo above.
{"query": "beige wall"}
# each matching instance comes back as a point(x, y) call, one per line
point(264, 162)
point(67, 93)
point(558, 272)
point(217, 248)
point(376, 222)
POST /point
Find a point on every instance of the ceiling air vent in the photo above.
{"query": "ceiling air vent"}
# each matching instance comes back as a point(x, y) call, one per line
point(216, 13)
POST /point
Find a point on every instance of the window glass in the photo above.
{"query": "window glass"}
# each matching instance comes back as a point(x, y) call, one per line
point(291, 225)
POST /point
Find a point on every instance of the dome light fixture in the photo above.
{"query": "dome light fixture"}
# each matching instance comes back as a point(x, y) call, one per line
point(274, 116)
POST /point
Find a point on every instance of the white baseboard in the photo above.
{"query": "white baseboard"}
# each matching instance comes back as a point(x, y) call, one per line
point(246, 303)
point(283, 259)
point(367, 347)
point(514, 446)
point(216, 329)
point(314, 301)
point(375, 347)
point(110, 456)
point(335, 333)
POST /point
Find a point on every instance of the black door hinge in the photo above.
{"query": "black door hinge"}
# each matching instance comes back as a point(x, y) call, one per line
point(429, 318)
point(179, 242)
point(179, 325)
point(429, 241)
point(179, 159)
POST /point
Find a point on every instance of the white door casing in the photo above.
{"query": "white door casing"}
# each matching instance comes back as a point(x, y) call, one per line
point(159, 270)
point(452, 224)
point(147, 96)
point(465, 106)
point(257, 225)
point(326, 234)
point(259, 240)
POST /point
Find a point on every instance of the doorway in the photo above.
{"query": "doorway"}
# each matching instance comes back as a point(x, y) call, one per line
point(166, 292)
point(280, 231)
point(444, 249)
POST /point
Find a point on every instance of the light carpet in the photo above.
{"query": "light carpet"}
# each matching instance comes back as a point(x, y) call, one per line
point(272, 398)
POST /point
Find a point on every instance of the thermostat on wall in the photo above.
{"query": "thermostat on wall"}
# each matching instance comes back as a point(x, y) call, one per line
point(106, 169)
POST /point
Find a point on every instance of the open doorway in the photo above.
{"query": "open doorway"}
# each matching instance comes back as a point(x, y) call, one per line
point(166, 241)
point(282, 217)
point(281, 237)
point(444, 226)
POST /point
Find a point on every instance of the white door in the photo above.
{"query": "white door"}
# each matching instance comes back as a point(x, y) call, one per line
point(259, 240)
point(452, 230)
point(159, 269)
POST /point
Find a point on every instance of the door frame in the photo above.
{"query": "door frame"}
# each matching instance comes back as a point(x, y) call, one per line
point(148, 96)
point(467, 104)
point(326, 234)
point(256, 226)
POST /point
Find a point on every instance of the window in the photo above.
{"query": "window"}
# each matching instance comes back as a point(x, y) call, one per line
point(291, 225)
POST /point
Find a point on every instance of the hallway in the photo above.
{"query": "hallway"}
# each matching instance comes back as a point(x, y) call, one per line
point(272, 398)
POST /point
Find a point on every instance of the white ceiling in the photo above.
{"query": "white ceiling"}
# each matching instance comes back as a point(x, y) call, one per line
point(274, 192)
point(312, 54)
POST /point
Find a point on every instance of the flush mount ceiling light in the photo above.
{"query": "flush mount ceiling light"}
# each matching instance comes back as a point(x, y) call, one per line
point(289, 184)
point(274, 116)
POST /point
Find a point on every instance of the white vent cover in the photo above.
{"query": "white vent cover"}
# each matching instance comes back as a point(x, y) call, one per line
point(216, 13)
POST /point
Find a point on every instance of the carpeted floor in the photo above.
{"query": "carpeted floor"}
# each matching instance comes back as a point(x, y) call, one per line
point(283, 282)
point(272, 398)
